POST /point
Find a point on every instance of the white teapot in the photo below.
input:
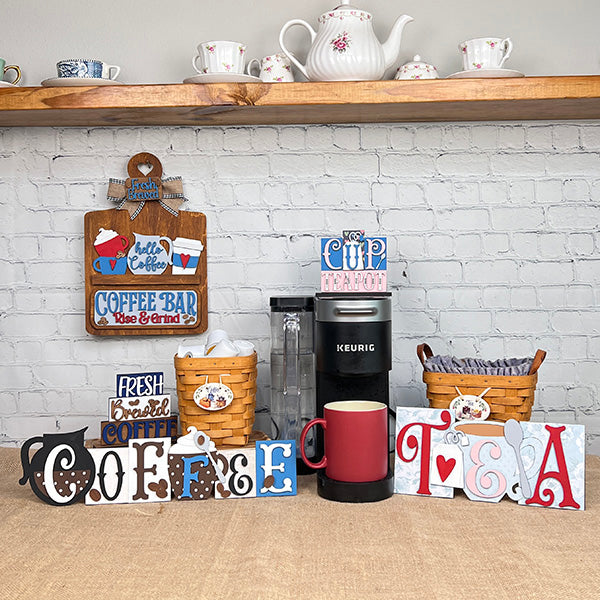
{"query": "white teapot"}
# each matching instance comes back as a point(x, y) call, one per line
point(345, 47)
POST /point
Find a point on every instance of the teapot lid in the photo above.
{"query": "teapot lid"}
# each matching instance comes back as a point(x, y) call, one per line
point(416, 61)
point(343, 10)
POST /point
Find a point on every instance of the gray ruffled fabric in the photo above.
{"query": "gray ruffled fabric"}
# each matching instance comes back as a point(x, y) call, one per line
point(478, 366)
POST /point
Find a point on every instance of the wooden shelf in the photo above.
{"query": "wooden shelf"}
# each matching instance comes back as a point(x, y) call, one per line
point(551, 98)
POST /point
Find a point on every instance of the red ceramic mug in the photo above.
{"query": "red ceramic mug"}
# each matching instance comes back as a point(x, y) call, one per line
point(356, 441)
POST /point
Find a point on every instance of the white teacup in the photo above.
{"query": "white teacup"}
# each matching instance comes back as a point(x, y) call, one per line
point(485, 53)
point(220, 57)
point(222, 349)
point(273, 68)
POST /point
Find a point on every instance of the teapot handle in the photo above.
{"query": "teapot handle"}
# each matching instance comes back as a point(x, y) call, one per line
point(292, 58)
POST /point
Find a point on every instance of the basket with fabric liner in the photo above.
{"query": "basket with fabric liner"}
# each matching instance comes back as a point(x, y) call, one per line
point(233, 424)
point(511, 396)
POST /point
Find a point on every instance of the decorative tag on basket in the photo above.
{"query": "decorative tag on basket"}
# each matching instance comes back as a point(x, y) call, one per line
point(467, 407)
point(213, 396)
point(145, 261)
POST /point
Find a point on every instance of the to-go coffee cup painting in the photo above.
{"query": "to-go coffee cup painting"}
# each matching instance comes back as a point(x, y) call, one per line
point(186, 255)
point(356, 441)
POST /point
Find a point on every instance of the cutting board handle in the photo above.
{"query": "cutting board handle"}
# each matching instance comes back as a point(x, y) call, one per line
point(144, 158)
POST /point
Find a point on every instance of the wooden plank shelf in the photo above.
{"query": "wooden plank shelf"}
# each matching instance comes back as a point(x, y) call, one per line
point(528, 98)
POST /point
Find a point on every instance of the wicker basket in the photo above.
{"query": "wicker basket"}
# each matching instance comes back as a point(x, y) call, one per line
point(511, 397)
point(231, 425)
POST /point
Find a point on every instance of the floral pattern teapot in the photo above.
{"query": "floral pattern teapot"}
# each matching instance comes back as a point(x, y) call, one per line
point(345, 47)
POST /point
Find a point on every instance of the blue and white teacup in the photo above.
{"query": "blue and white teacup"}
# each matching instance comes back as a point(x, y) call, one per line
point(87, 68)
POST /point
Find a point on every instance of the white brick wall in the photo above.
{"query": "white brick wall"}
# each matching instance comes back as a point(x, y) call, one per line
point(493, 231)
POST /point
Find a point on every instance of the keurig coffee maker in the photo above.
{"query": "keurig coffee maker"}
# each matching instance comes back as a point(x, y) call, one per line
point(353, 348)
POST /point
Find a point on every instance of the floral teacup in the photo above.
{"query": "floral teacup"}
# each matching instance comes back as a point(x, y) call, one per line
point(485, 53)
point(275, 67)
point(220, 57)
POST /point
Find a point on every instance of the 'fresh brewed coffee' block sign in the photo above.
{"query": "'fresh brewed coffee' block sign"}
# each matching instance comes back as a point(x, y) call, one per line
point(354, 263)
point(145, 262)
point(140, 410)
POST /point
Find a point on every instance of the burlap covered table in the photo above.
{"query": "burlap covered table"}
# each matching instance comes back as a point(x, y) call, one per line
point(296, 547)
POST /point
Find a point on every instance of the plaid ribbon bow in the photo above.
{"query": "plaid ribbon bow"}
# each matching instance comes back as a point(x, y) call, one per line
point(172, 197)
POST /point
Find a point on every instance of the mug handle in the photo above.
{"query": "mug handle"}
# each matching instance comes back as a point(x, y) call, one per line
point(250, 65)
point(95, 267)
point(170, 244)
point(201, 72)
point(507, 47)
point(14, 68)
point(116, 69)
point(124, 241)
point(323, 462)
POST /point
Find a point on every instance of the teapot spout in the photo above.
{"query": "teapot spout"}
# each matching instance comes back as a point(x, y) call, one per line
point(391, 47)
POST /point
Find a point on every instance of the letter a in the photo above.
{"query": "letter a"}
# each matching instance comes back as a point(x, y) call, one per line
point(561, 475)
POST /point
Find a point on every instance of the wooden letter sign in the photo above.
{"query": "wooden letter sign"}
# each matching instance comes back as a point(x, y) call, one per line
point(354, 263)
point(535, 464)
point(145, 262)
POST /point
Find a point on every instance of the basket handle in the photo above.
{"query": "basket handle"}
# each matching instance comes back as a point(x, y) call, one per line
point(538, 359)
point(424, 352)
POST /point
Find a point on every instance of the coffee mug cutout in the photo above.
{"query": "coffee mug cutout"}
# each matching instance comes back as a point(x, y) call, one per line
point(213, 396)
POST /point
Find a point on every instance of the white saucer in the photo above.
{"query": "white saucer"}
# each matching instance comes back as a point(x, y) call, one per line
point(78, 81)
point(7, 84)
point(483, 73)
point(222, 78)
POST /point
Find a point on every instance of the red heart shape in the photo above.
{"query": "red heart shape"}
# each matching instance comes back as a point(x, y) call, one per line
point(185, 258)
point(113, 262)
point(445, 467)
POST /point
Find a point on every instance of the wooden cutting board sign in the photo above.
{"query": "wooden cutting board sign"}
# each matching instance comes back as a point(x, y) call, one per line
point(145, 262)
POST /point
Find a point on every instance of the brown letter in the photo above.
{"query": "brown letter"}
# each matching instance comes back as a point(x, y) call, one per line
point(140, 469)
